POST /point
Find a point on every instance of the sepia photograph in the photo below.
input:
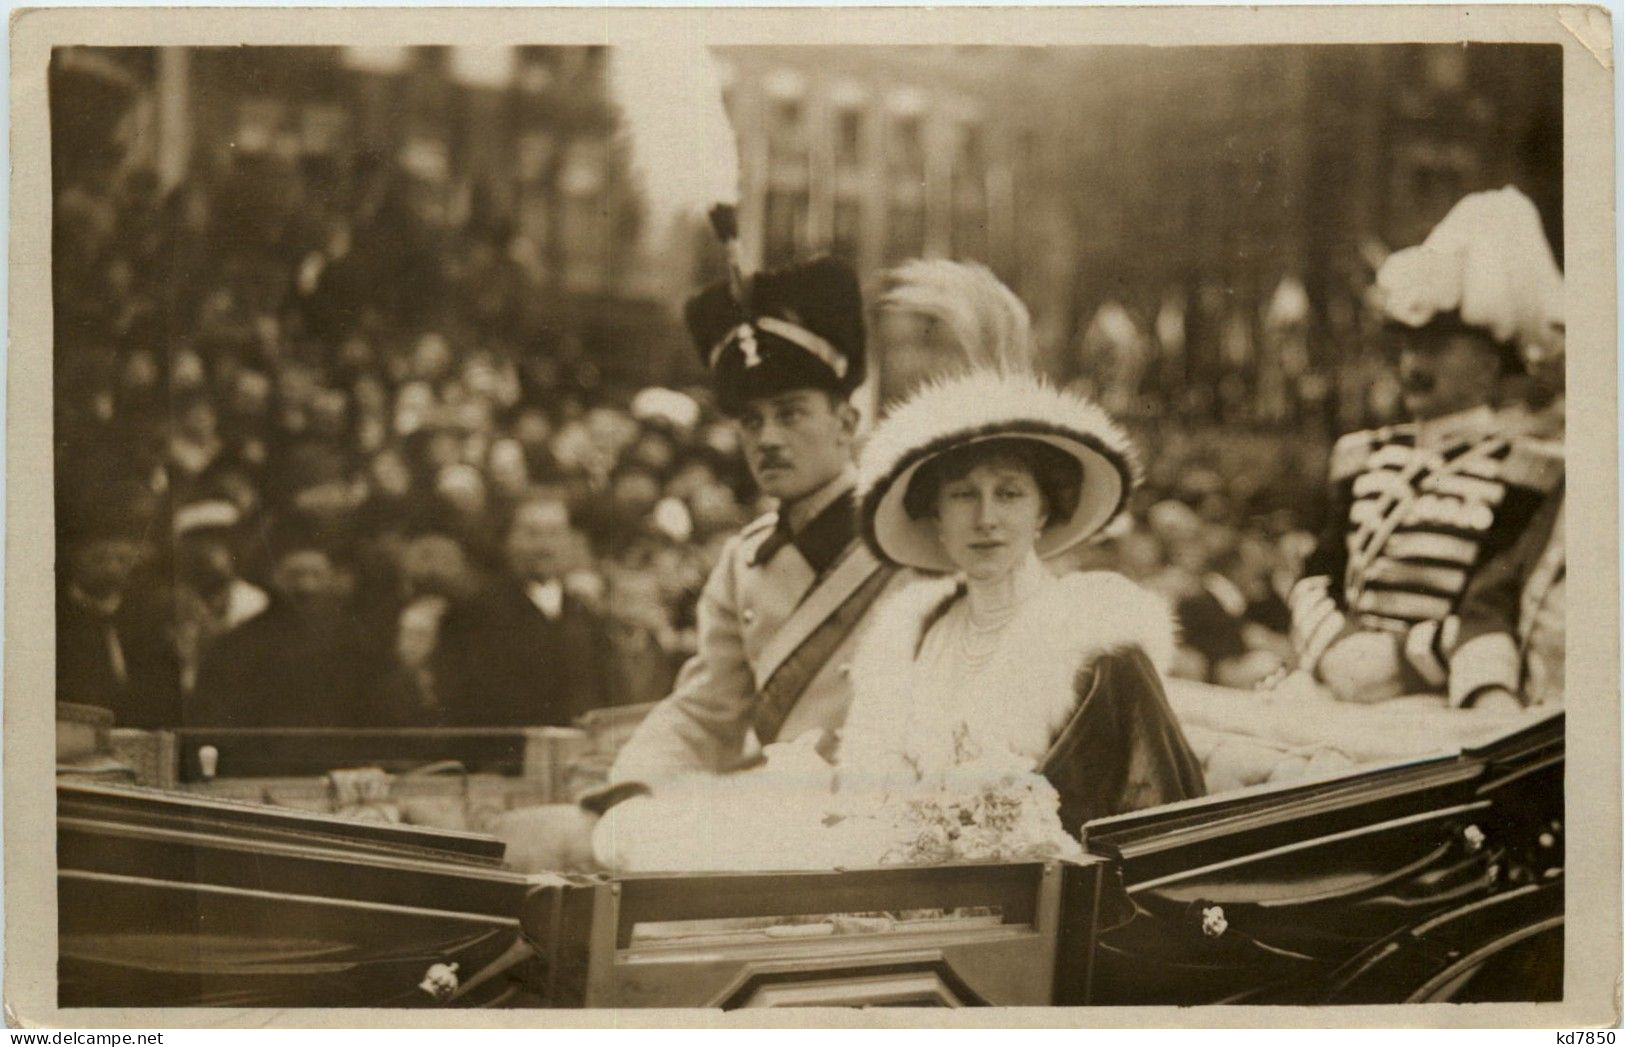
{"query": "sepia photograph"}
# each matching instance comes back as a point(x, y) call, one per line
point(940, 518)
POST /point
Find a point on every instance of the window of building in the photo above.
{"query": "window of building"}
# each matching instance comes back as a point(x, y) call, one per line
point(788, 170)
point(786, 126)
point(849, 155)
point(846, 240)
point(905, 177)
point(907, 154)
point(429, 58)
point(584, 219)
point(786, 224)
point(969, 229)
point(531, 155)
point(905, 230)
point(848, 138)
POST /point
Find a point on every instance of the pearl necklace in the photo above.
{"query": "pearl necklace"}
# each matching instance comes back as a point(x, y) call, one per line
point(983, 626)
point(979, 640)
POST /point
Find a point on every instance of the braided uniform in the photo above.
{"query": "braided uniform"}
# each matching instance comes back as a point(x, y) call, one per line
point(1413, 516)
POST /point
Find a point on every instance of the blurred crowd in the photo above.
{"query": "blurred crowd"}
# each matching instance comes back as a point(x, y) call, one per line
point(316, 468)
point(328, 421)
point(1220, 528)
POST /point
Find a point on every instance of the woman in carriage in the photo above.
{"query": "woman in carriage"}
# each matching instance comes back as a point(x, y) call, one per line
point(997, 705)
point(983, 478)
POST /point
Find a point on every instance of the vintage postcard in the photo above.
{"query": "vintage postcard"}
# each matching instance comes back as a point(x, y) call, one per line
point(657, 517)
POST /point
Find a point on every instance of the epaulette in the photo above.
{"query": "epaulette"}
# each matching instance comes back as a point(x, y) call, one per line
point(1533, 463)
point(1350, 452)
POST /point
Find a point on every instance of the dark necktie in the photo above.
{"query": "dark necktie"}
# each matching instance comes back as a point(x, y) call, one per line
point(107, 623)
point(769, 548)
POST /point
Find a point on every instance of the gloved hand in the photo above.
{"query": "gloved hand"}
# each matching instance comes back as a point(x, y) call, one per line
point(1497, 700)
point(554, 837)
point(761, 818)
point(617, 835)
point(1364, 667)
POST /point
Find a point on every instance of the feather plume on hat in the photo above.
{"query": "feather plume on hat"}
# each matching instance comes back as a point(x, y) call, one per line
point(982, 317)
point(1487, 262)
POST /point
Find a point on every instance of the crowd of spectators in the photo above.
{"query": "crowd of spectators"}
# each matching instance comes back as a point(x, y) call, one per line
point(1219, 529)
point(299, 440)
point(307, 475)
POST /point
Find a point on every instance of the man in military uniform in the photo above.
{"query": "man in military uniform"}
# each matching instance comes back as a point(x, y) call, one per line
point(779, 614)
point(782, 608)
point(1417, 508)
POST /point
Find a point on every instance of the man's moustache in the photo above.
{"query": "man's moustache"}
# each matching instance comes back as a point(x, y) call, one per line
point(1418, 383)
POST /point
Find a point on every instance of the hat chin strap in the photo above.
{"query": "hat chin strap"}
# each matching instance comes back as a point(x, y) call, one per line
point(792, 333)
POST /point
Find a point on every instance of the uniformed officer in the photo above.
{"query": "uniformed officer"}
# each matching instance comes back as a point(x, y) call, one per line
point(781, 609)
point(1416, 508)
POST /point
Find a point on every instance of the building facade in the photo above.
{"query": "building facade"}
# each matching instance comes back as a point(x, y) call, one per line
point(1221, 209)
point(1200, 221)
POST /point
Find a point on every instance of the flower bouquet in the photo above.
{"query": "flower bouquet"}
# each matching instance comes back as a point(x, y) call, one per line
point(984, 807)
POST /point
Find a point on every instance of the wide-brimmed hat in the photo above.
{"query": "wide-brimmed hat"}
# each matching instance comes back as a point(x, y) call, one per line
point(975, 407)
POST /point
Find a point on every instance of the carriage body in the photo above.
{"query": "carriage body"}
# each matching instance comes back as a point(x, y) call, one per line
point(1420, 879)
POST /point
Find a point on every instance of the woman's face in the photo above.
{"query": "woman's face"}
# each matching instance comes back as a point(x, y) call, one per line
point(988, 519)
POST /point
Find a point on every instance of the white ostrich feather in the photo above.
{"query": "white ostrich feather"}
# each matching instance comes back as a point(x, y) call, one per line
point(984, 318)
point(1488, 259)
point(681, 145)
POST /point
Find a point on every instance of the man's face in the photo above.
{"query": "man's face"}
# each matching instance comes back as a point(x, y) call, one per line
point(1443, 374)
point(206, 560)
point(634, 598)
point(540, 541)
point(1139, 555)
point(654, 452)
point(796, 442)
point(102, 567)
point(434, 564)
point(251, 395)
point(198, 422)
point(635, 492)
point(533, 429)
point(305, 579)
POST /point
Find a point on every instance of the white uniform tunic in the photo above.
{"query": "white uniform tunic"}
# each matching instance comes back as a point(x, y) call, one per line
point(704, 725)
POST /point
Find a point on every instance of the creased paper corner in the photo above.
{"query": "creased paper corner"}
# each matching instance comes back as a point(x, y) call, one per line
point(1591, 27)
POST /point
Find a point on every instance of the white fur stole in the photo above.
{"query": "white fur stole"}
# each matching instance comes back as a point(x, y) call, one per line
point(1031, 685)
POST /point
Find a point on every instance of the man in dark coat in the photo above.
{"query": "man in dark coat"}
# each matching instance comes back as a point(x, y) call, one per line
point(114, 647)
point(526, 652)
point(299, 663)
